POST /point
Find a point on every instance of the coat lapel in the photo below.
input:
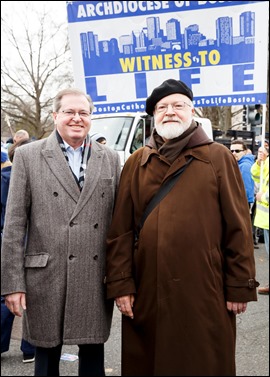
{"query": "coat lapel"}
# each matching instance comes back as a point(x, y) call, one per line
point(56, 161)
point(92, 176)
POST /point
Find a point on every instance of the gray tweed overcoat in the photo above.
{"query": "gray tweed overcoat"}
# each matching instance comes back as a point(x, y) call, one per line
point(63, 266)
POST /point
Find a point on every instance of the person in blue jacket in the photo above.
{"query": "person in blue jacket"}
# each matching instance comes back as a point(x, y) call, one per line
point(7, 318)
point(245, 160)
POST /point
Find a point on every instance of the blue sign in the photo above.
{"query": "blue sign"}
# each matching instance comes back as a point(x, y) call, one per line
point(121, 50)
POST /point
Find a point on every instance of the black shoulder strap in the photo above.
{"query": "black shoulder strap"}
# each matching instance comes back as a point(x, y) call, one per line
point(161, 193)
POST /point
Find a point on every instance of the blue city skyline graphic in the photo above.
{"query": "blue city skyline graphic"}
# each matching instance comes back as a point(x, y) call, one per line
point(153, 48)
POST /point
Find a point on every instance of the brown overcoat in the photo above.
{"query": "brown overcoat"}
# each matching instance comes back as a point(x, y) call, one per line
point(63, 267)
point(194, 253)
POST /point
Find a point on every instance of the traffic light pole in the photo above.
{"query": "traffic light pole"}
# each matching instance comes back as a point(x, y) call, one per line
point(263, 123)
point(245, 117)
point(262, 142)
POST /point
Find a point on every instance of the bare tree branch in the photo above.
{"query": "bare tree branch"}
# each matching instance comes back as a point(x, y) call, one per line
point(39, 66)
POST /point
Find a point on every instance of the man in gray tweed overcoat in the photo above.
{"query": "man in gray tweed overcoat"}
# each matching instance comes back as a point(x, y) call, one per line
point(59, 208)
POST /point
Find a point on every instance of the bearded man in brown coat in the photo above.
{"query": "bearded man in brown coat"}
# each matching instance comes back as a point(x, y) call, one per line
point(181, 284)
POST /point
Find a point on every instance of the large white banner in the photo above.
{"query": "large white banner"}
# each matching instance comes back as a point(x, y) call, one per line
point(121, 50)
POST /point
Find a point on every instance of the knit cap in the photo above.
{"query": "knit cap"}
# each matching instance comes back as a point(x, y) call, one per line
point(97, 136)
point(168, 87)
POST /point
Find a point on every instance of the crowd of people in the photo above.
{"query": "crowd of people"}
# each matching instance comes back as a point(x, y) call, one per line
point(257, 189)
point(169, 239)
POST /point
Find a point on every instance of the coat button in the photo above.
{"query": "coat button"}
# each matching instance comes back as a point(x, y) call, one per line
point(72, 224)
point(71, 257)
point(55, 193)
point(95, 226)
point(95, 257)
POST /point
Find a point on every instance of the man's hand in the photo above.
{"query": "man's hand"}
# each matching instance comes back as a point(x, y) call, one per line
point(237, 307)
point(16, 303)
point(125, 304)
point(259, 196)
point(262, 155)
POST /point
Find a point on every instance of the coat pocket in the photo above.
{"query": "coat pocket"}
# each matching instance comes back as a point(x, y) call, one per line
point(105, 182)
point(36, 260)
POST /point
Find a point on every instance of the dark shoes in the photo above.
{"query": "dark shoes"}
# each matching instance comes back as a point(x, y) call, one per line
point(263, 290)
point(28, 358)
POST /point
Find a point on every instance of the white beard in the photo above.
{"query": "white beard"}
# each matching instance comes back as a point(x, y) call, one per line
point(172, 130)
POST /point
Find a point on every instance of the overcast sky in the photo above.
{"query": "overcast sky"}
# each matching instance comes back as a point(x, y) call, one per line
point(13, 8)
point(14, 12)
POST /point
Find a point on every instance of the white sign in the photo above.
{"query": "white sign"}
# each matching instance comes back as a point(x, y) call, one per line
point(121, 50)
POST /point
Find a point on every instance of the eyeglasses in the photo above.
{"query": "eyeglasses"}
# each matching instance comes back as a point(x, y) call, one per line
point(162, 107)
point(72, 113)
point(237, 150)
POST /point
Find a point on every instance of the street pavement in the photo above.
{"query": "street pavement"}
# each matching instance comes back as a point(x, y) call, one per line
point(252, 348)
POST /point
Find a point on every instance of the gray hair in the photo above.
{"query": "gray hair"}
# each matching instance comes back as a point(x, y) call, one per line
point(72, 91)
point(20, 135)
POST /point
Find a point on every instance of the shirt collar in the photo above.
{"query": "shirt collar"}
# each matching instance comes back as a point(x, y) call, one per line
point(67, 146)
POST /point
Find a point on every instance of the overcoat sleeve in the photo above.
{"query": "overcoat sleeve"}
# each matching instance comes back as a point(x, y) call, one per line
point(237, 240)
point(120, 240)
point(12, 253)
